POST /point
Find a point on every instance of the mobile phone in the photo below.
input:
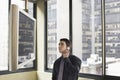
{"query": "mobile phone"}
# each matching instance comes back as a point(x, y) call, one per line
point(68, 48)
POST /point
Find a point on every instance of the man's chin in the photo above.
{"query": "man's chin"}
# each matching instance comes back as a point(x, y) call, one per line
point(60, 52)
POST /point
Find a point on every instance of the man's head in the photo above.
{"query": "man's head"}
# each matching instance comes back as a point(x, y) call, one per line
point(64, 44)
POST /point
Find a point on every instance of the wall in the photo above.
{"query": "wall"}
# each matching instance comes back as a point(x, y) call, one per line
point(20, 76)
point(42, 75)
point(40, 42)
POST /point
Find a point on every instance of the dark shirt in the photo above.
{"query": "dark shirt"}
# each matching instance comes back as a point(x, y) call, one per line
point(72, 66)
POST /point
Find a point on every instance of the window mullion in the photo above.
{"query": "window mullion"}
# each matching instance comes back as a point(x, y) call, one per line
point(103, 36)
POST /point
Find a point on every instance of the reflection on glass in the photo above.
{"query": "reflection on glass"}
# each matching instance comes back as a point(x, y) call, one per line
point(57, 27)
point(112, 16)
point(4, 35)
point(87, 39)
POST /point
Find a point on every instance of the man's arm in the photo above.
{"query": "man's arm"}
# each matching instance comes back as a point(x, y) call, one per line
point(73, 67)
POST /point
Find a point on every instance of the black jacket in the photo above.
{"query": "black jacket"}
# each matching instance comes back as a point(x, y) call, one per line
point(72, 66)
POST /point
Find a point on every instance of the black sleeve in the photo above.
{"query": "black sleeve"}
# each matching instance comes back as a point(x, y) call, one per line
point(73, 66)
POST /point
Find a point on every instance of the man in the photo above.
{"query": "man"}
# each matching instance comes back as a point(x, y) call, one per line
point(67, 66)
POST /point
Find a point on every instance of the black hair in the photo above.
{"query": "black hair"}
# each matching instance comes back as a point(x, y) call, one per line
point(68, 43)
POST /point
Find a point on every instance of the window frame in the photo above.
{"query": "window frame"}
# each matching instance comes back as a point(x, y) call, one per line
point(84, 75)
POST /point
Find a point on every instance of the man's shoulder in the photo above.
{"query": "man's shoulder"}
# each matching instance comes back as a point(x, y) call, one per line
point(58, 60)
point(74, 57)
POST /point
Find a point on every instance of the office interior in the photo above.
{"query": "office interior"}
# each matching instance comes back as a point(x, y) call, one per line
point(91, 25)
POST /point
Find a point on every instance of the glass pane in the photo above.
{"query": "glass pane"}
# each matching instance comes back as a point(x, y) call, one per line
point(4, 35)
point(21, 5)
point(87, 39)
point(112, 17)
point(57, 27)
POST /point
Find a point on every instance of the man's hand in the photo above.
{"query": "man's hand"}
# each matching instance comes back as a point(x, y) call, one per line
point(66, 53)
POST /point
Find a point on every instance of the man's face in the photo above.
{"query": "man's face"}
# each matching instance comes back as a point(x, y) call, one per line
point(62, 47)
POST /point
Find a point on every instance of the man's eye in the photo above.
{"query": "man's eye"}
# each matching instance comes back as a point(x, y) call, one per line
point(62, 44)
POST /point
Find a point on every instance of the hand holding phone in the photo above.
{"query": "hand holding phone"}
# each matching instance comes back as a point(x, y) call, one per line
point(66, 53)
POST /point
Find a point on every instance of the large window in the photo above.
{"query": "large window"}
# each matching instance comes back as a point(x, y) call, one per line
point(57, 27)
point(88, 44)
point(94, 32)
point(112, 26)
point(4, 33)
point(86, 32)
point(30, 6)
